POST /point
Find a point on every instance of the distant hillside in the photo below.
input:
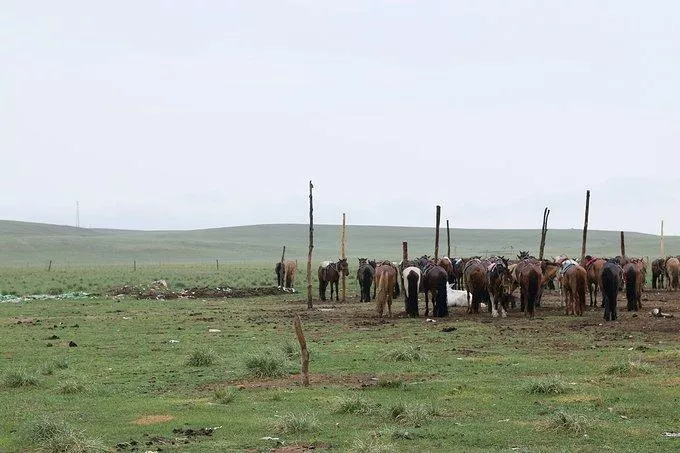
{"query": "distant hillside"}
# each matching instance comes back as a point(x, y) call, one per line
point(24, 243)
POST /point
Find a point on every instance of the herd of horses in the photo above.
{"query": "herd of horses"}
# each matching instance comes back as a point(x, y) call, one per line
point(492, 281)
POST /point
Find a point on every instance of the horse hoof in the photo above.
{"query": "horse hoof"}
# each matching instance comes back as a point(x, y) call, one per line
point(494, 314)
point(504, 315)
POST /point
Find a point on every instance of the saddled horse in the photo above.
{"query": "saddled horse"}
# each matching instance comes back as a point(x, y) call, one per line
point(458, 267)
point(573, 280)
point(365, 278)
point(634, 277)
point(610, 277)
point(476, 284)
point(497, 274)
point(658, 273)
point(285, 275)
point(329, 272)
point(411, 277)
point(673, 273)
point(385, 279)
point(433, 282)
point(593, 267)
point(529, 275)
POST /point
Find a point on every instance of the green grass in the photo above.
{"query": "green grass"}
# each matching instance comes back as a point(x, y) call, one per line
point(49, 434)
point(19, 378)
point(294, 423)
point(630, 368)
point(405, 354)
point(225, 395)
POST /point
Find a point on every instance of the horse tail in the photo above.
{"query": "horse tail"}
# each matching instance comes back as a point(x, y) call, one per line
point(533, 286)
point(412, 293)
point(366, 279)
point(381, 298)
point(441, 307)
point(631, 295)
point(580, 289)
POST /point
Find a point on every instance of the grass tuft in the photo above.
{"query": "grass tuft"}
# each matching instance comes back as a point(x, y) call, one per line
point(52, 435)
point(290, 351)
point(573, 423)
point(356, 405)
point(415, 416)
point(551, 385)
point(405, 354)
point(630, 368)
point(372, 446)
point(48, 368)
point(396, 433)
point(225, 395)
point(19, 378)
point(265, 364)
point(293, 424)
point(201, 357)
point(71, 387)
point(392, 384)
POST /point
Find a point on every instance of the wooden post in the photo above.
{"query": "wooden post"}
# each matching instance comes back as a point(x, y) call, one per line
point(304, 353)
point(283, 255)
point(217, 264)
point(544, 233)
point(663, 250)
point(404, 251)
point(311, 246)
point(436, 234)
point(342, 255)
point(623, 246)
point(49, 266)
point(448, 239)
point(134, 265)
point(585, 227)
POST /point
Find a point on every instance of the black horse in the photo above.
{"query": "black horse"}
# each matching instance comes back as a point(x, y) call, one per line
point(365, 277)
point(329, 272)
point(610, 279)
point(433, 281)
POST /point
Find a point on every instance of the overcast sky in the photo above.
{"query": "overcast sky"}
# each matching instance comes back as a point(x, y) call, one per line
point(197, 114)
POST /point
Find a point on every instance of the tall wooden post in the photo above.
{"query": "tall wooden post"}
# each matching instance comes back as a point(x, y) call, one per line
point(283, 255)
point(448, 239)
point(342, 255)
point(304, 353)
point(623, 246)
point(404, 251)
point(544, 233)
point(217, 264)
point(663, 250)
point(436, 234)
point(311, 246)
point(585, 227)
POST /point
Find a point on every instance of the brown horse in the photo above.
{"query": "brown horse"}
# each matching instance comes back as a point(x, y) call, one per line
point(658, 273)
point(496, 275)
point(673, 273)
point(385, 279)
point(447, 264)
point(634, 277)
point(573, 281)
point(365, 277)
point(285, 275)
point(476, 284)
point(329, 272)
point(593, 267)
point(433, 282)
point(529, 276)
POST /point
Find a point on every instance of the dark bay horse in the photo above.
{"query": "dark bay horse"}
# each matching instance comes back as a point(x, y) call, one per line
point(573, 281)
point(329, 272)
point(433, 282)
point(610, 278)
point(529, 275)
point(458, 267)
point(476, 284)
point(634, 277)
point(658, 272)
point(385, 279)
point(411, 281)
point(365, 277)
point(497, 274)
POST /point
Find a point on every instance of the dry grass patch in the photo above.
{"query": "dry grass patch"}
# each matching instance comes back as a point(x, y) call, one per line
point(153, 419)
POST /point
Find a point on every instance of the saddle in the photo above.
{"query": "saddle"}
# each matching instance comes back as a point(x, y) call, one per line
point(566, 264)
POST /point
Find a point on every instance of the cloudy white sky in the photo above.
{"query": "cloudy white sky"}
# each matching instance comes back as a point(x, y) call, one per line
point(181, 115)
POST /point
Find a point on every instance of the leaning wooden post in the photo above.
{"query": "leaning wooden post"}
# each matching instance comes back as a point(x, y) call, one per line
point(404, 251)
point(663, 251)
point(283, 255)
point(311, 246)
point(342, 255)
point(544, 233)
point(304, 353)
point(448, 239)
point(585, 227)
point(623, 246)
point(436, 234)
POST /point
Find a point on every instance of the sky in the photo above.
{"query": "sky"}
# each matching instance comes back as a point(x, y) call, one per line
point(187, 115)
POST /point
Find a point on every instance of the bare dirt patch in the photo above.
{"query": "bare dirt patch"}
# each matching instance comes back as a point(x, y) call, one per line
point(153, 419)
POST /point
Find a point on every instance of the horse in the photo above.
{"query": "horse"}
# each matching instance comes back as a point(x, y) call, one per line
point(411, 278)
point(458, 266)
point(549, 271)
point(610, 276)
point(593, 267)
point(529, 275)
point(365, 277)
point(673, 273)
point(329, 272)
point(496, 275)
point(658, 272)
point(433, 282)
point(474, 276)
point(634, 278)
point(385, 279)
point(573, 280)
point(286, 272)
point(447, 264)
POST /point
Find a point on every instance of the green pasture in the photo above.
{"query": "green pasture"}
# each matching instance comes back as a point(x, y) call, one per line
point(142, 369)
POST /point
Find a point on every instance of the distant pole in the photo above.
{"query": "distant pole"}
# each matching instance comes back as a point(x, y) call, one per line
point(663, 250)
point(448, 239)
point(342, 255)
point(585, 227)
point(404, 251)
point(283, 254)
point(217, 264)
point(544, 233)
point(49, 266)
point(77, 214)
point(436, 234)
point(311, 246)
point(134, 265)
point(623, 246)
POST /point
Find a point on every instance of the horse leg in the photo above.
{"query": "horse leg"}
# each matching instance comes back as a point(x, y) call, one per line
point(427, 303)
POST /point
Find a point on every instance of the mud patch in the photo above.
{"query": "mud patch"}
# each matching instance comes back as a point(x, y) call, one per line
point(153, 419)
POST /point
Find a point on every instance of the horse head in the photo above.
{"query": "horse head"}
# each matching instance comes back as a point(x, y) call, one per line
point(343, 267)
